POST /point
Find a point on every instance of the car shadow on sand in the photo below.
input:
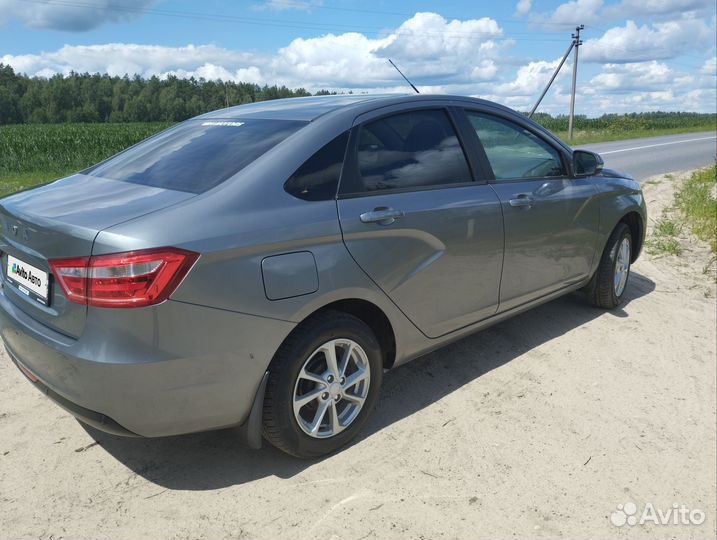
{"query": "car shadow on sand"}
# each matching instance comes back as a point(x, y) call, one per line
point(217, 459)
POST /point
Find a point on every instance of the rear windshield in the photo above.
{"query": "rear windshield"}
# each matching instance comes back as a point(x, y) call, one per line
point(197, 155)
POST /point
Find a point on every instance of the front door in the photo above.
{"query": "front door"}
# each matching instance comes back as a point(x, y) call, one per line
point(550, 220)
point(416, 222)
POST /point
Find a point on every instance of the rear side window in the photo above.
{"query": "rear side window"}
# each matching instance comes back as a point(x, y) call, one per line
point(408, 150)
point(197, 155)
point(515, 152)
point(318, 178)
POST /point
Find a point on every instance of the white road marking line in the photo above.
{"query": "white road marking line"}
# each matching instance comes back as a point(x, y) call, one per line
point(653, 145)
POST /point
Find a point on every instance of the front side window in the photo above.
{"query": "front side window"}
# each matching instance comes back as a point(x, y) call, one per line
point(407, 150)
point(197, 155)
point(515, 152)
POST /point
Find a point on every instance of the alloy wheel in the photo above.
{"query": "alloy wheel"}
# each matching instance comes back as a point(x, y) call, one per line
point(331, 388)
point(622, 266)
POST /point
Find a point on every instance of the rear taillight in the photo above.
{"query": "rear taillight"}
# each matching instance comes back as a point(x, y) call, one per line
point(121, 280)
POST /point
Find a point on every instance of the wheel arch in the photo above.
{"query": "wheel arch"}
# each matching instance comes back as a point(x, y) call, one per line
point(634, 220)
point(373, 317)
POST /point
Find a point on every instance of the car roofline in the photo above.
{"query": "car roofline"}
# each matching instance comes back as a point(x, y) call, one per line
point(314, 107)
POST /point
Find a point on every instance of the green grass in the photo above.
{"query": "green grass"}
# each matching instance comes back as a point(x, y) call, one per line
point(695, 207)
point(606, 135)
point(14, 182)
point(668, 227)
point(662, 245)
point(663, 239)
point(33, 154)
point(696, 201)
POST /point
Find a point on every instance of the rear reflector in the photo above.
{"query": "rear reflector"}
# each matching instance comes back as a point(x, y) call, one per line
point(29, 374)
point(122, 280)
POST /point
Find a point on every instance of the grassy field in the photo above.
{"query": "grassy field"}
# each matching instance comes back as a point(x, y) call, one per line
point(696, 201)
point(33, 154)
point(581, 137)
point(694, 211)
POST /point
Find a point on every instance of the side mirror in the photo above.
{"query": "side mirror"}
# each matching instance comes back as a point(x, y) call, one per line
point(586, 163)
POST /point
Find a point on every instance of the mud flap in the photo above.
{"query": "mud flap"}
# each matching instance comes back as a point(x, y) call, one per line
point(251, 429)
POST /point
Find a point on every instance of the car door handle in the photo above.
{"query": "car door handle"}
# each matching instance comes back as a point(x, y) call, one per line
point(522, 200)
point(381, 215)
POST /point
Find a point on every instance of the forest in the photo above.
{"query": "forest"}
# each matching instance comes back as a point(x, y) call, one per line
point(101, 98)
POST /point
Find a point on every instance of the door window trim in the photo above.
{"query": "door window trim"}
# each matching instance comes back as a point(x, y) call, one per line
point(524, 125)
point(350, 166)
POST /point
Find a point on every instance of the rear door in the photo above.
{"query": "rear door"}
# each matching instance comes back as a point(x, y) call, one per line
point(550, 219)
point(417, 222)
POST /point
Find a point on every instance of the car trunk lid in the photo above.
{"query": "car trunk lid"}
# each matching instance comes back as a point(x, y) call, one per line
point(61, 220)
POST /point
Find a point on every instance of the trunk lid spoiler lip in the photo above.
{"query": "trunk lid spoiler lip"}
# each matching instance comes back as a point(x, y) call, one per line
point(99, 203)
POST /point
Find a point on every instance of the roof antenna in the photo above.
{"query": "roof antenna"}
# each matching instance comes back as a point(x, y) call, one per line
point(402, 75)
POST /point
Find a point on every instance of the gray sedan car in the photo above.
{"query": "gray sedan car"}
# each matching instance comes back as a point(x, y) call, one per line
point(262, 266)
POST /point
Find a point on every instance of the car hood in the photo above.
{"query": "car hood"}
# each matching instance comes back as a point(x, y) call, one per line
point(612, 173)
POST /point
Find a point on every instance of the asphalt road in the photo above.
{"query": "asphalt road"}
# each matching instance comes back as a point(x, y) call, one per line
point(658, 155)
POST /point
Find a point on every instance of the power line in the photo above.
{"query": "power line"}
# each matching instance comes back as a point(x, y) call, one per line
point(279, 23)
point(289, 3)
point(308, 25)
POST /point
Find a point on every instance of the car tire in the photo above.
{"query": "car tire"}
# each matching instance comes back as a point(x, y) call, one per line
point(300, 370)
point(605, 289)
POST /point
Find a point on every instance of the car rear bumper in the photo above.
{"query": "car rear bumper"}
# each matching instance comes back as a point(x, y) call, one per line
point(166, 370)
point(92, 418)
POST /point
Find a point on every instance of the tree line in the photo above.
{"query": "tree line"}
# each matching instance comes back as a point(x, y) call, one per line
point(84, 97)
point(91, 98)
point(622, 123)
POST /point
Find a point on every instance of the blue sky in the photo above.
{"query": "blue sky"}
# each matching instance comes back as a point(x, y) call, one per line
point(637, 55)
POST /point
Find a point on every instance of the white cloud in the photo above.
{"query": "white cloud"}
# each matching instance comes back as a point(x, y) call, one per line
point(70, 16)
point(485, 71)
point(646, 86)
point(427, 48)
point(596, 12)
point(207, 61)
point(332, 60)
point(633, 43)
point(532, 78)
point(127, 58)
point(709, 67)
point(430, 36)
point(656, 8)
point(427, 45)
point(624, 78)
point(659, 100)
point(523, 7)
point(571, 13)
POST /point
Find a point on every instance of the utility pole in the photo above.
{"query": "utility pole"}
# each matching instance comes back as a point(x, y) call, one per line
point(550, 82)
point(577, 43)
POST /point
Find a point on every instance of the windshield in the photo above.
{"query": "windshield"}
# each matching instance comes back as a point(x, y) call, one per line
point(198, 155)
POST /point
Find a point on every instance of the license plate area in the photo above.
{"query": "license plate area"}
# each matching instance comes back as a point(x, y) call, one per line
point(29, 280)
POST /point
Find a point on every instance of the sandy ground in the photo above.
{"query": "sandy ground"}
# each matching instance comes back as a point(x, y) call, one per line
point(538, 427)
